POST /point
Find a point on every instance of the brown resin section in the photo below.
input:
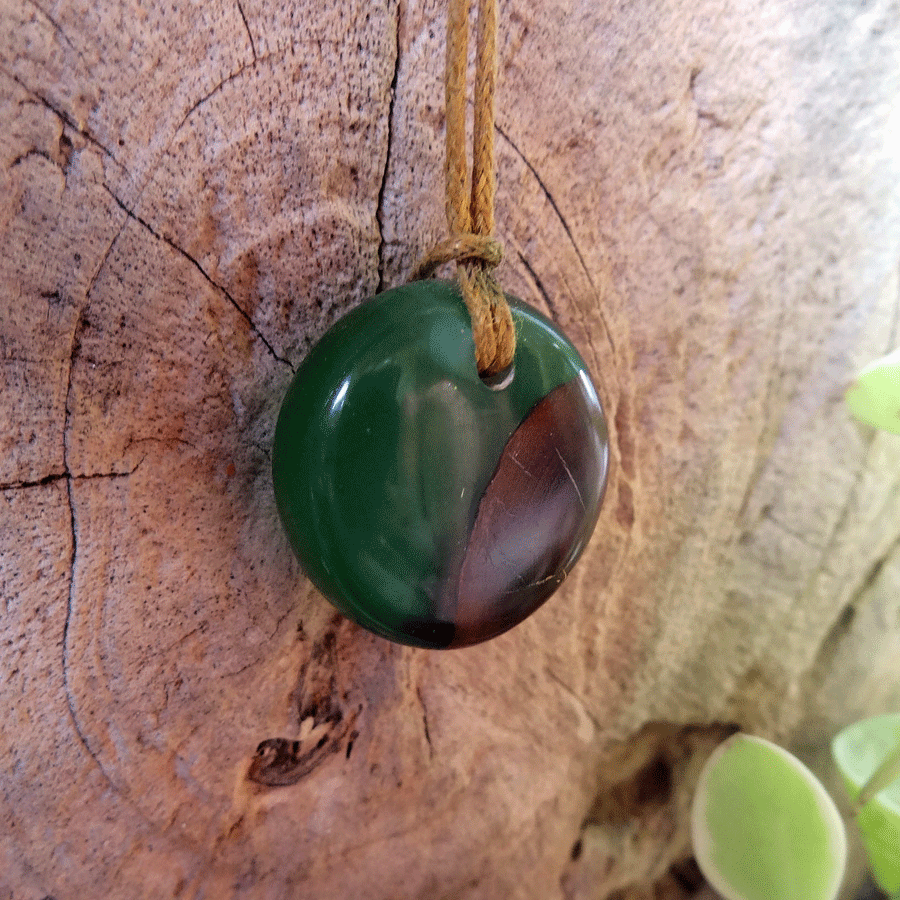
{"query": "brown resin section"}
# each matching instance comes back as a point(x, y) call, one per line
point(536, 515)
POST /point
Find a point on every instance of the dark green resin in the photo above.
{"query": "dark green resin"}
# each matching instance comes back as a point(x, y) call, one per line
point(386, 442)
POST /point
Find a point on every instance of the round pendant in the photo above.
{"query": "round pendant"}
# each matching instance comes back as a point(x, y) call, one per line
point(431, 507)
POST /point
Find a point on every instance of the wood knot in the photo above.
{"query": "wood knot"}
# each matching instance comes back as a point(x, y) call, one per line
point(325, 716)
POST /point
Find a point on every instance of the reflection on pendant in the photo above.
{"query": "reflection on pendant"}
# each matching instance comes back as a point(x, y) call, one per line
point(432, 508)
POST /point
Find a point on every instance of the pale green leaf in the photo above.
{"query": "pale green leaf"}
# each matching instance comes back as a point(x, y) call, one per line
point(865, 754)
point(883, 777)
point(874, 397)
point(763, 826)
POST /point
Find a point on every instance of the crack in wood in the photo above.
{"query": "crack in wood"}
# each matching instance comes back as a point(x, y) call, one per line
point(379, 208)
point(62, 115)
point(64, 476)
point(247, 26)
point(70, 599)
point(222, 290)
point(156, 440)
point(209, 95)
point(562, 220)
point(551, 306)
point(555, 678)
point(872, 574)
point(104, 258)
point(34, 151)
point(39, 482)
point(843, 517)
point(315, 696)
point(277, 51)
point(705, 114)
point(843, 621)
point(56, 26)
point(767, 433)
point(425, 722)
point(783, 527)
point(280, 762)
point(70, 698)
point(323, 716)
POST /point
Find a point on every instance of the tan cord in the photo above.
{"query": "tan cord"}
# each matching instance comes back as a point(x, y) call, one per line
point(470, 213)
point(462, 248)
point(458, 218)
point(483, 183)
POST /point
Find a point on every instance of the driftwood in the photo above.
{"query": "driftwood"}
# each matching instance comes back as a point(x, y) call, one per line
point(704, 196)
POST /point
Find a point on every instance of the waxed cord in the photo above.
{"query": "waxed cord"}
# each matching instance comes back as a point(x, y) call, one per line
point(470, 211)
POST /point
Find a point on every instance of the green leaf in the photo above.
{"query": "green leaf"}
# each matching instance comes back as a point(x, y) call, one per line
point(874, 397)
point(866, 755)
point(883, 777)
point(763, 826)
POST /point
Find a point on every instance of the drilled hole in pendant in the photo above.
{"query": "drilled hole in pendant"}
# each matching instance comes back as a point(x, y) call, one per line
point(500, 380)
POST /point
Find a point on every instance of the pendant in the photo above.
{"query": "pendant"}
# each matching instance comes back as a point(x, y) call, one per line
point(432, 507)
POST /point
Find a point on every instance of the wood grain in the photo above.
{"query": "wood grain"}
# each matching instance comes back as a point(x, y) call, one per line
point(704, 196)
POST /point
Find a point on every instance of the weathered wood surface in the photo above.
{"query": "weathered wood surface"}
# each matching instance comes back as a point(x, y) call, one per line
point(704, 194)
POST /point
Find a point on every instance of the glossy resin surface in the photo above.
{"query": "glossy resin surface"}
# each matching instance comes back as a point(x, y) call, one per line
point(430, 507)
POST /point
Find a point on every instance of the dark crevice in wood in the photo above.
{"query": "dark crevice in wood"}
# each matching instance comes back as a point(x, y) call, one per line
point(845, 515)
point(687, 875)
point(70, 699)
point(639, 776)
point(247, 26)
point(258, 58)
point(157, 440)
point(872, 575)
point(843, 622)
point(571, 237)
point(207, 96)
point(712, 118)
point(244, 315)
point(279, 622)
point(34, 151)
point(57, 27)
point(643, 783)
point(324, 715)
point(64, 476)
point(799, 536)
point(280, 762)
point(316, 695)
point(104, 258)
point(40, 482)
point(554, 677)
point(73, 558)
point(646, 790)
point(53, 298)
point(704, 114)
point(65, 148)
point(62, 115)
point(379, 209)
point(425, 722)
point(551, 306)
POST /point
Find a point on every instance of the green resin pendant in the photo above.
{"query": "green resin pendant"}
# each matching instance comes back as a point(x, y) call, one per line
point(431, 507)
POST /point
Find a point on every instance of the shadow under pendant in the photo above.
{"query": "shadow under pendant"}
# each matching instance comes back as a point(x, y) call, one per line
point(430, 506)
